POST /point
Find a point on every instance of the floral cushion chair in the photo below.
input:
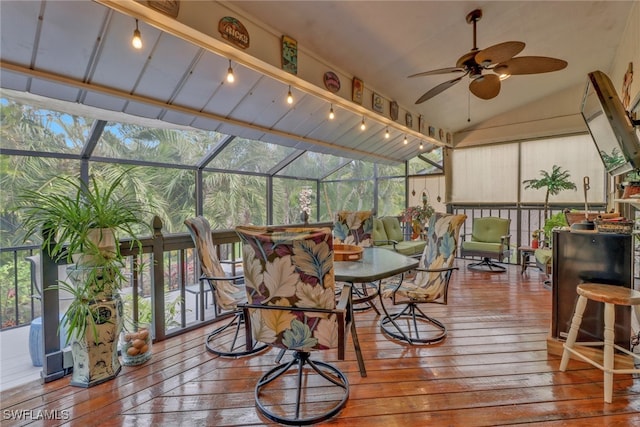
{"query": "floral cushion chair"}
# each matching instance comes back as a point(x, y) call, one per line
point(356, 228)
point(353, 228)
point(291, 303)
point(430, 285)
point(228, 291)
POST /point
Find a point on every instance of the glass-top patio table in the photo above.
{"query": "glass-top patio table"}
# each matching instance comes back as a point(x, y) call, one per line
point(376, 264)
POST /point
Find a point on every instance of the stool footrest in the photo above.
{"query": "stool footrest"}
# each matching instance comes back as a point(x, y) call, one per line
point(593, 362)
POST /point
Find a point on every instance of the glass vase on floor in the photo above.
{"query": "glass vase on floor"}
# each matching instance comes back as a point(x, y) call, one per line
point(135, 345)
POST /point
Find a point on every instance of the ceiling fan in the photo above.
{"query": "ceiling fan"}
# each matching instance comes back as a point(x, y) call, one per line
point(499, 58)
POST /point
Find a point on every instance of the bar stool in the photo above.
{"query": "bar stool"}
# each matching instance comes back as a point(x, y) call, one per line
point(611, 296)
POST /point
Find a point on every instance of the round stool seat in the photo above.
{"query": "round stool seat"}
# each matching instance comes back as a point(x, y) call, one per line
point(617, 295)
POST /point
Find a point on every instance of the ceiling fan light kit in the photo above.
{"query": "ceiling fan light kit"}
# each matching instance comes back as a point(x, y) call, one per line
point(499, 58)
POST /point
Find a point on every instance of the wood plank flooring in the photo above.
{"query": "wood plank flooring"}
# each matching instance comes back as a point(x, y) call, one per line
point(492, 369)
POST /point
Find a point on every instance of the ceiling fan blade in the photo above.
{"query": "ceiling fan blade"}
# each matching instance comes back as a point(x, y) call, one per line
point(448, 70)
point(438, 89)
point(485, 87)
point(498, 53)
point(530, 65)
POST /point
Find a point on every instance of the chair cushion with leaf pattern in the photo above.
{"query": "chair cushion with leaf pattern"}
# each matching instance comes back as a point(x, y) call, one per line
point(353, 228)
point(291, 268)
point(227, 294)
point(440, 252)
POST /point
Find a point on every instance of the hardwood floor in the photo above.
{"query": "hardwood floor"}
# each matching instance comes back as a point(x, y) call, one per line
point(492, 369)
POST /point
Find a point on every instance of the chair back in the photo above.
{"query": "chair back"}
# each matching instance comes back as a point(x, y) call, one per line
point(289, 272)
point(490, 229)
point(379, 234)
point(226, 292)
point(392, 228)
point(353, 228)
point(440, 252)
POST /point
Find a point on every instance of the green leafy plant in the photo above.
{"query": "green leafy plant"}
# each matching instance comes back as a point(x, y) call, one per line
point(554, 182)
point(69, 209)
point(557, 220)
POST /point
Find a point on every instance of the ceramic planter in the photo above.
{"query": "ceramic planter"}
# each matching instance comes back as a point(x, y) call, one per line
point(96, 360)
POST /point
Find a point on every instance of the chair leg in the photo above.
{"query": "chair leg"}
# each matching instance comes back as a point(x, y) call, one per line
point(300, 413)
point(356, 345)
point(365, 294)
point(225, 340)
point(573, 332)
point(609, 323)
point(487, 265)
point(389, 324)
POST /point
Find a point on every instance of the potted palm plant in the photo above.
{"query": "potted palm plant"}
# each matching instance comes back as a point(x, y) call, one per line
point(79, 222)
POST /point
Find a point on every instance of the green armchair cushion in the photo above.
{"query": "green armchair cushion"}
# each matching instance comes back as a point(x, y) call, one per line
point(379, 234)
point(392, 228)
point(381, 238)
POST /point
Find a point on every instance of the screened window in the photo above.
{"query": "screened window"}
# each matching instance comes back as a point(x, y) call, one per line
point(575, 154)
point(487, 174)
point(250, 156)
point(160, 145)
point(30, 128)
point(313, 165)
point(231, 199)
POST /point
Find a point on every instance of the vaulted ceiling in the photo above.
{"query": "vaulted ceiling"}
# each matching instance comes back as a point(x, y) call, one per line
point(80, 52)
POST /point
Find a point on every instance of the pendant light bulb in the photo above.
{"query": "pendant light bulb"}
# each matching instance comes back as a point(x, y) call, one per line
point(331, 115)
point(406, 141)
point(136, 41)
point(362, 125)
point(421, 146)
point(289, 97)
point(386, 134)
point(230, 77)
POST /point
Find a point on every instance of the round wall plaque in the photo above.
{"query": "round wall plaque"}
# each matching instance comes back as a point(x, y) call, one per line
point(331, 81)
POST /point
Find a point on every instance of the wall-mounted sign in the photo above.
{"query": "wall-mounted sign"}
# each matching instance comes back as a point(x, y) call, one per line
point(409, 120)
point(168, 7)
point(234, 32)
point(331, 81)
point(358, 90)
point(289, 55)
point(377, 103)
point(393, 110)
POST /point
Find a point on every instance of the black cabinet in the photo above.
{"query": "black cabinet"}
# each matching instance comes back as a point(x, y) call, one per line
point(580, 257)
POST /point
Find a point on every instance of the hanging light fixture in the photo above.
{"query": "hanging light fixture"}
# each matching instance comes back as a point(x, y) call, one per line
point(362, 125)
point(406, 141)
point(421, 146)
point(289, 96)
point(331, 115)
point(386, 134)
point(136, 41)
point(230, 77)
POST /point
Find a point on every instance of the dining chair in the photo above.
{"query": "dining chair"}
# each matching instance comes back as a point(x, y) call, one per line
point(430, 285)
point(289, 279)
point(356, 228)
point(232, 339)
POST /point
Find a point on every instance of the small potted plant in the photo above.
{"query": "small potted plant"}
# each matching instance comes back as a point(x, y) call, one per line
point(418, 216)
point(535, 239)
point(79, 222)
